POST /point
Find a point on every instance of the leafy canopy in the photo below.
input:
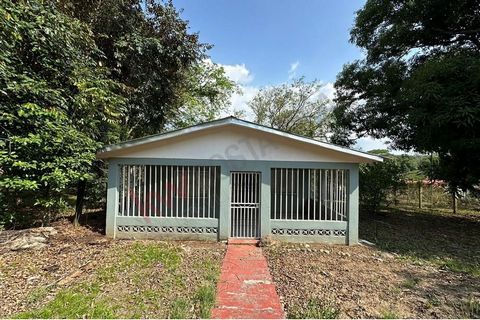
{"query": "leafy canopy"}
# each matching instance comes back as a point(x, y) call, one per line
point(419, 84)
point(56, 104)
point(148, 48)
point(298, 107)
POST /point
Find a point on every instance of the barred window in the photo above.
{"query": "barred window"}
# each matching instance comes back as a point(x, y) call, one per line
point(309, 194)
point(169, 191)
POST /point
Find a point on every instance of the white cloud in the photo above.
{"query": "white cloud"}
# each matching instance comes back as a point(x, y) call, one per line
point(369, 143)
point(328, 90)
point(239, 101)
point(238, 73)
point(242, 76)
point(293, 69)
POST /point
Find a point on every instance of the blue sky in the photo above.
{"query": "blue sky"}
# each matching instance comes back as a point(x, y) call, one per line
point(267, 42)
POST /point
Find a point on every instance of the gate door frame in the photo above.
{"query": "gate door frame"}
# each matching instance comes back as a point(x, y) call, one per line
point(245, 202)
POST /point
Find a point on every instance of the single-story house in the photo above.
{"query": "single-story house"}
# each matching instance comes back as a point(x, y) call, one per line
point(233, 178)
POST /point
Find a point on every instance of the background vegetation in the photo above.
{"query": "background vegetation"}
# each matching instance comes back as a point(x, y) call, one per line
point(76, 75)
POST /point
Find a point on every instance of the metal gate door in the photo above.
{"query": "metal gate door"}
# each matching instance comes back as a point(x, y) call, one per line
point(245, 205)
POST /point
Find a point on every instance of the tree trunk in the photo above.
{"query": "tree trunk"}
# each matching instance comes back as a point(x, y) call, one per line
point(420, 195)
point(81, 187)
point(454, 203)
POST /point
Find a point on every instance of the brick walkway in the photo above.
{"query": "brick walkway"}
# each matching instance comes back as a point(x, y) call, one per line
point(245, 289)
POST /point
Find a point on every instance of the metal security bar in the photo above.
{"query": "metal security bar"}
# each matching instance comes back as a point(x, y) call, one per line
point(169, 191)
point(309, 194)
point(245, 205)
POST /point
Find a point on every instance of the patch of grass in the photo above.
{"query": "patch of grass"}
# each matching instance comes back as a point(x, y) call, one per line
point(389, 314)
point(210, 269)
point(78, 302)
point(107, 274)
point(471, 308)
point(148, 254)
point(410, 283)
point(138, 280)
point(314, 309)
point(37, 294)
point(205, 297)
point(432, 301)
point(458, 266)
point(443, 240)
point(179, 309)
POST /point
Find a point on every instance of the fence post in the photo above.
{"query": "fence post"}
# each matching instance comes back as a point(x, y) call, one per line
point(420, 195)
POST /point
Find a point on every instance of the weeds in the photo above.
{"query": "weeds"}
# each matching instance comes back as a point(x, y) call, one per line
point(205, 297)
point(314, 309)
point(179, 309)
point(78, 302)
point(142, 280)
point(410, 283)
point(389, 314)
point(471, 308)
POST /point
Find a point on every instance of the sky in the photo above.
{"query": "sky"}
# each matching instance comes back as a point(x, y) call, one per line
point(269, 42)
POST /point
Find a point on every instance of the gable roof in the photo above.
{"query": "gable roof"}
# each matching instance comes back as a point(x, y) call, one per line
point(110, 150)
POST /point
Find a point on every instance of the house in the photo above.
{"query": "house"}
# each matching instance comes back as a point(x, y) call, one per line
point(233, 178)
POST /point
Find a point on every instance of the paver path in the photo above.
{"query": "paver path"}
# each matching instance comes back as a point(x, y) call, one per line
point(245, 289)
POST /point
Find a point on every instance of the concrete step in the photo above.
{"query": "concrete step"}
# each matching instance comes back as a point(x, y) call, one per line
point(243, 242)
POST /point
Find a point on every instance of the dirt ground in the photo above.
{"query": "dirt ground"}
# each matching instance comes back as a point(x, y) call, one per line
point(363, 282)
point(83, 259)
point(423, 266)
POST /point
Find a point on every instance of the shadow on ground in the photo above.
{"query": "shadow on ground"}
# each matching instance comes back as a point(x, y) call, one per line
point(450, 241)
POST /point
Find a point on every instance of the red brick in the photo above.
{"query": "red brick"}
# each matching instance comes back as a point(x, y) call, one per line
point(245, 289)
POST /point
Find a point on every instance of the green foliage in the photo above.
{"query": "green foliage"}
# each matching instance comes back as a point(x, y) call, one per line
point(471, 308)
point(75, 75)
point(205, 297)
point(419, 84)
point(42, 156)
point(314, 309)
point(56, 103)
point(207, 94)
point(298, 107)
point(179, 309)
point(148, 48)
point(147, 254)
point(378, 179)
point(389, 314)
point(78, 302)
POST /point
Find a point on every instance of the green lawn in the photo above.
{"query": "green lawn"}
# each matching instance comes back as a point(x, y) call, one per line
point(139, 280)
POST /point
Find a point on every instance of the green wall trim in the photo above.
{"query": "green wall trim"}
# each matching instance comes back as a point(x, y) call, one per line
point(298, 224)
point(311, 239)
point(235, 165)
point(166, 236)
point(168, 222)
point(224, 213)
point(112, 199)
point(353, 206)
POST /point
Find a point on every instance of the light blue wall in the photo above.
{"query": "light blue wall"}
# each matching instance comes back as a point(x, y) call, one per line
point(305, 231)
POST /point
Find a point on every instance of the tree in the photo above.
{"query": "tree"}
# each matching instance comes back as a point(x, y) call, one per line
point(149, 49)
point(298, 107)
point(56, 103)
point(205, 96)
point(419, 84)
point(41, 157)
point(377, 180)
